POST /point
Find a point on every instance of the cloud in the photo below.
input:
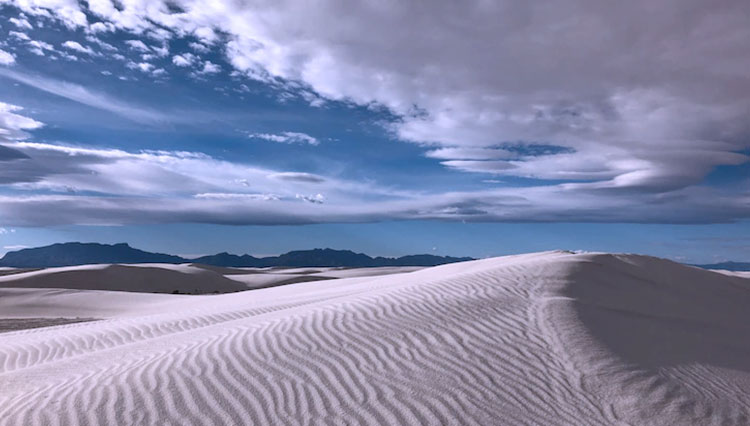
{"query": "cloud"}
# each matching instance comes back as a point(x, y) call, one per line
point(21, 23)
point(86, 96)
point(40, 48)
point(184, 60)
point(315, 199)
point(209, 68)
point(287, 137)
point(101, 27)
point(6, 58)
point(471, 153)
point(637, 106)
point(74, 45)
point(237, 196)
point(141, 66)
point(10, 154)
point(49, 184)
point(297, 177)
point(493, 167)
point(198, 47)
point(161, 174)
point(13, 126)
point(138, 45)
point(19, 35)
point(656, 102)
point(102, 44)
point(205, 34)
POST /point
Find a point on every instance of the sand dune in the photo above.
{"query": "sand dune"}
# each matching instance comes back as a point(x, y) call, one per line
point(179, 279)
point(548, 338)
point(156, 278)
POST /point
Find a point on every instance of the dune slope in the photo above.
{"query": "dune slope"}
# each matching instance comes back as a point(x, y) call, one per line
point(548, 338)
point(157, 278)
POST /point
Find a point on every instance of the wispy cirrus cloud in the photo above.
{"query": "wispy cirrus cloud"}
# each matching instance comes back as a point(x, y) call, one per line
point(86, 96)
point(286, 137)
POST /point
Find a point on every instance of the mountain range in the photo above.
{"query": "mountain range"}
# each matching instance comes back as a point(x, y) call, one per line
point(74, 253)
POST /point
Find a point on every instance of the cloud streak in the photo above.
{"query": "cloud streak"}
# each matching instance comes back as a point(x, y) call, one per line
point(287, 137)
point(86, 96)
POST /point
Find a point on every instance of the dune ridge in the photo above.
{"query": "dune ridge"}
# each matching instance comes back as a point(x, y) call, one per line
point(546, 338)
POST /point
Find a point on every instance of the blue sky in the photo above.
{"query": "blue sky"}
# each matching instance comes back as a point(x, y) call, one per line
point(478, 130)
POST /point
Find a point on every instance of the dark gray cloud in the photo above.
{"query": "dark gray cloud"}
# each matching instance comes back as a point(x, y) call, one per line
point(10, 154)
point(297, 177)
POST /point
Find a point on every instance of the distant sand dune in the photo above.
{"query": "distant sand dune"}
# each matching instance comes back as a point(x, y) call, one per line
point(137, 278)
point(549, 338)
point(176, 279)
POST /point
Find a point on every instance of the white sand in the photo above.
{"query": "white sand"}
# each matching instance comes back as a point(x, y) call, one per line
point(185, 278)
point(744, 274)
point(549, 338)
point(159, 278)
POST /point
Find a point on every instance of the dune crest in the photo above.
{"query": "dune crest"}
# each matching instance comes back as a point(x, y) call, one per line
point(547, 338)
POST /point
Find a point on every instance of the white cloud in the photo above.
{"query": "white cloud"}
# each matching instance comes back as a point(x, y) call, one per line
point(101, 27)
point(171, 186)
point(160, 34)
point(141, 66)
point(161, 51)
point(184, 60)
point(287, 137)
point(209, 68)
point(40, 47)
point(471, 153)
point(68, 56)
point(6, 58)
point(74, 45)
point(205, 34)
point(138, 45)
point(15, 247)
point(19, 35)
point(237, 196)
point(198, 47)
point(21, 23)
point(13, 126)
point(102, 44)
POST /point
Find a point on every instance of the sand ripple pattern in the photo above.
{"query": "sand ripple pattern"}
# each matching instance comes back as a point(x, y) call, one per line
point(484, 343)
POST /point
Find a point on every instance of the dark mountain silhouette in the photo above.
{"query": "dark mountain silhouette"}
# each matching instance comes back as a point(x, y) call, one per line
point(728, 266)
point(70, 254)
point(226, 259)
point(324, 257)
